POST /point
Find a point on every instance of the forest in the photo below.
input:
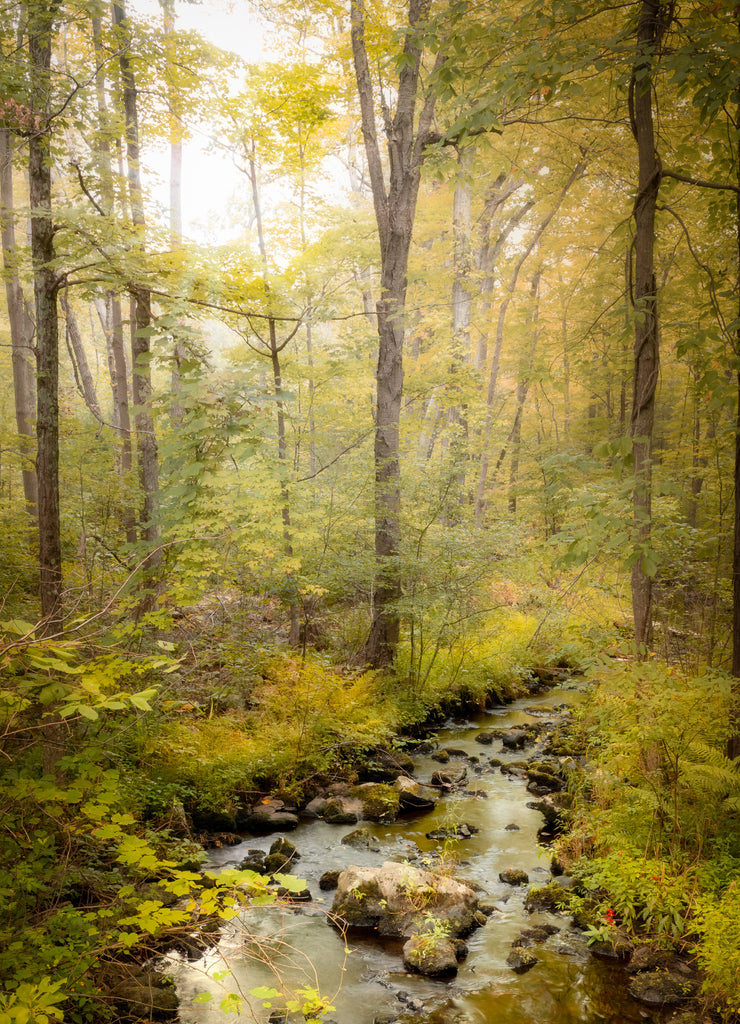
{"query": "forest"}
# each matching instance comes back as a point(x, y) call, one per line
point(382, 371)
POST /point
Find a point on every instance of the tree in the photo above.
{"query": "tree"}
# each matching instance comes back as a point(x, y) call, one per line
point(141, 304)
point(21, 329)
point(652, 24)
point(395, 206)
point(41, 23)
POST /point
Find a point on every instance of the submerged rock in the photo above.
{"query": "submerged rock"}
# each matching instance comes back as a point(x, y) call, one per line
point(659, 988)
point(361, 839)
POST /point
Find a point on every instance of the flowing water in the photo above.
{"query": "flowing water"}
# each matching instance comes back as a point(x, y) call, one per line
point(297, 948)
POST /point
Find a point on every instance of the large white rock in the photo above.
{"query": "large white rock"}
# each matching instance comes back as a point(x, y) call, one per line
point(399, 900)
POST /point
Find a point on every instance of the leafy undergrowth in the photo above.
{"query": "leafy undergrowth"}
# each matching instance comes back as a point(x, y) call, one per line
point(303, 719)
point(659, 819)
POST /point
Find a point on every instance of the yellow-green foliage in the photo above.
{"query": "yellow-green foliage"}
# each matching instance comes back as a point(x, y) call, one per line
point(301, 715)
point(663, 773)
point(663, 822)
point(718, 922)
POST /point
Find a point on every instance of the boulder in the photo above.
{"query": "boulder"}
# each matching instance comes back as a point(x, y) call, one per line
point(383, 765)
point(442, 756)
point(514, 739)
point(514, 876)
point(521, 960)
point(430, 954)
point(315, 808)
point(454, 832)
point(214, 821)
point(617, 951)
point(328, 881)
point(378, 800)
point(546, 897)
point(150, 999)
point(448, 780)
point(266, 818)
point(659, 988)
point(412, 796)
point(254, 861)
point(398, 900)
point(540, 933)
point(282, 854)
point(485, 738)
point(340, 811)
point(361, 839)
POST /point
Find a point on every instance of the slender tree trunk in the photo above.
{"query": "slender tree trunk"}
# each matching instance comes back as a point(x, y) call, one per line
point(522, 390)
point(274, 348)
point(174, 104)
point(40, 28)
point(480, 504)
point(21, 332)
point(109, 307)
point(141, 320)
point(461, 313)
point(650, 28)
point(394, 213)
point(733, 744)
point(80, 365)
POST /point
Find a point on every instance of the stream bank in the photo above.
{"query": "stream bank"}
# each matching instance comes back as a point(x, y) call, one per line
point(294, 948)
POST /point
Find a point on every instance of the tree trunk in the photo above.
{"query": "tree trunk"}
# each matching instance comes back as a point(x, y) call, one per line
point(394, 213)
point(733, 743)
point(80, 365)
point(21, 332)
point(650, 28)
point(461, 315)
point(480, 504)
point(141, 319)
point(40, 28)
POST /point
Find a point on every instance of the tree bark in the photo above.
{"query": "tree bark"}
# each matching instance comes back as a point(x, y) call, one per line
point(21, 332)
point(480, 504)
point(141, 319)
point(40, 29)
point(80, 365)
point(394, 214)
point(733, 743)
point(651, 26)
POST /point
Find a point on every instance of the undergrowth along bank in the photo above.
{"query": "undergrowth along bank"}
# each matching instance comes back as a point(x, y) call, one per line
point(656, 836)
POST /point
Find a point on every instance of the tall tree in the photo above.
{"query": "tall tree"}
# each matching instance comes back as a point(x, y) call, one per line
point(141, 306)
point(21, 329)
point(653, 20)
point(40, 27)
point(395, 207)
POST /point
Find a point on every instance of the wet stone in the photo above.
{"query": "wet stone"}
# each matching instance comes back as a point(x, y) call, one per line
point(521, 960)
point(512, 828)
point(657, 988)
point(514, 876)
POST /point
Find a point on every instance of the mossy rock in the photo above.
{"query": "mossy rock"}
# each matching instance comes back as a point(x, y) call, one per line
point(380, 801)
point(547, 897)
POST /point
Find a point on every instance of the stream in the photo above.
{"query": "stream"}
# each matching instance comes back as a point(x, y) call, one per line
point(290, 948)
